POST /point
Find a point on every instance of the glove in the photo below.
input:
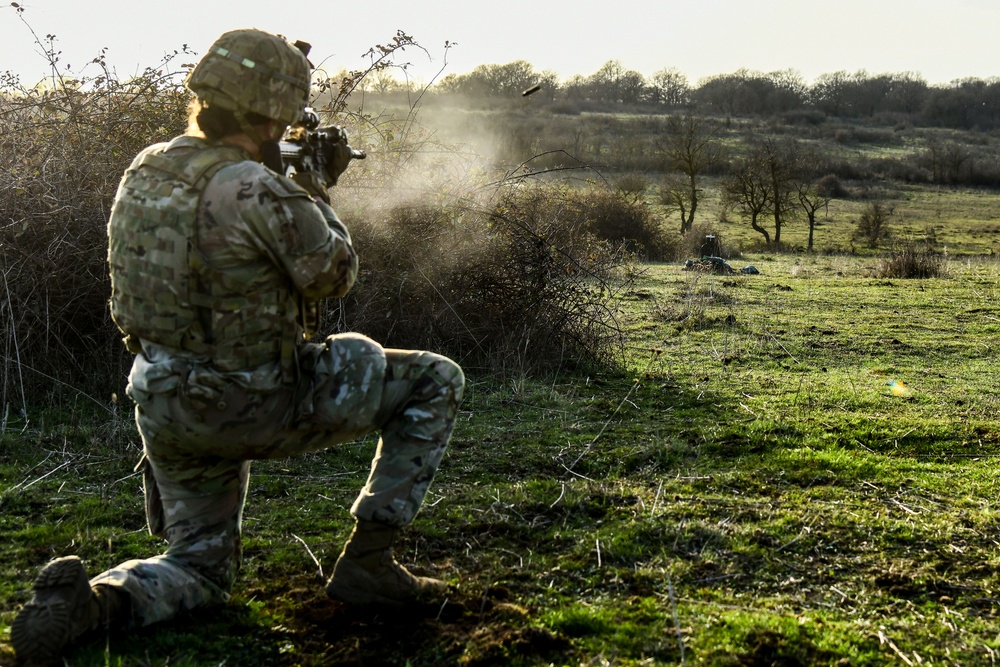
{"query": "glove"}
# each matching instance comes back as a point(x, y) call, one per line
point(312, 183)
point(338, 154)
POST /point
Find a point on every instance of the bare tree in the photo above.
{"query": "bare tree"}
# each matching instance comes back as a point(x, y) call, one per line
point(811, 201)
point(690, 148)
point(614, 83)
point(781, 163)
point(670, 87)
point(748, 191)
point(811, 191)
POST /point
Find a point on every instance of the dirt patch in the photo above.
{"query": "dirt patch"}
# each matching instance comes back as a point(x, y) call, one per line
point(466, 629)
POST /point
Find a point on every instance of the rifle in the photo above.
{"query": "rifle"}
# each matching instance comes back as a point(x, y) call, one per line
point(308, 147)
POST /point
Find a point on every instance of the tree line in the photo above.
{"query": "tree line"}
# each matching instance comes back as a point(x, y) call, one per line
point(969, 103)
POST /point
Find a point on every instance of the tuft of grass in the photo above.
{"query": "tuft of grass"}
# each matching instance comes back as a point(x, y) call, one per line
point(911, 260)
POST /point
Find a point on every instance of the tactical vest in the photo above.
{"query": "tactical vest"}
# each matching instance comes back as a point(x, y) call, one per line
point(163, 290)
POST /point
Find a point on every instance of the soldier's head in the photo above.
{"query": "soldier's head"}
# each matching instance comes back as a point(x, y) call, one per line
point(251, 77)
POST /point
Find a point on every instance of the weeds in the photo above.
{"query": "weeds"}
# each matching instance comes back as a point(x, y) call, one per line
point(911, 260)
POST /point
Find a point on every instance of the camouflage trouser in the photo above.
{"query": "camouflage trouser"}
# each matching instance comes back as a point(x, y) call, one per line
point(198, 447)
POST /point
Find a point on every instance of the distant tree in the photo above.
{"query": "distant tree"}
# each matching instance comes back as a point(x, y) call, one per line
point(747, 190)
point(512, 78)
point(863, 95)
point(786, 91)
point(964, 104)
point(669, 87)
point(614, 83)
point(812, 187)
point(690, 148)
point(747, 93)
point(782, 166)
point(450, 83)
point(908, 93)
point(811, 201)
point(868, 93)
point(576, 88)
point(549, 82)
point(492, 81)
point(949, 162)
point(829, 93)
point(383, 81)
point(727, 94)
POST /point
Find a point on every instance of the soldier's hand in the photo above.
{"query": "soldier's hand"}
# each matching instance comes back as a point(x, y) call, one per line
point(312, 183)
point(339, 155)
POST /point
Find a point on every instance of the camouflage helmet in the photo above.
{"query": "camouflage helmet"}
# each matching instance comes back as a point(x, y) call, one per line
point(254, 71)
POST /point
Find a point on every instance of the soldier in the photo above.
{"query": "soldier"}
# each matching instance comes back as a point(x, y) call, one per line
point(217, 263)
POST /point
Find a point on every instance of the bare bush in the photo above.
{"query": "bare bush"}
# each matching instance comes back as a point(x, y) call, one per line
point(632, 185)
point(518, 285)
point(830, 186)
point(63, 149)
point(873, 225)
point(620, 219)
point(911, 260)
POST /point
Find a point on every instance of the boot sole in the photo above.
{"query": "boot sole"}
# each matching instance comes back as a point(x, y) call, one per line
point(44, 626)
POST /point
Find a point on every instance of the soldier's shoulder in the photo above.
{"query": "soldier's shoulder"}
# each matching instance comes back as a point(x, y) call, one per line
point(148, 150)
point(262, 178)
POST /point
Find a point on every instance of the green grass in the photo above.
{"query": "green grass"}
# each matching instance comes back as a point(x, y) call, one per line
point(750, 492)
point(957, 221)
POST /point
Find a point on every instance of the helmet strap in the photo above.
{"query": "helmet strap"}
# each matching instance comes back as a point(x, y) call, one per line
point(248, 129)
point(270, 155)
point(270, 150)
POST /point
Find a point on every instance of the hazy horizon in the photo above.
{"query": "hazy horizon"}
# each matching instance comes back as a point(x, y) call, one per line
point(569, 38)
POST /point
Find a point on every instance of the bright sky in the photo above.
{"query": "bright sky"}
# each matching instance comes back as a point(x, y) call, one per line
point(942, 40)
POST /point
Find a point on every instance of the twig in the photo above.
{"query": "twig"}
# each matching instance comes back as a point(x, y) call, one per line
point(441, 610)
point(656, 500)
point(885, 640)
point(789, 543)
point(23, 486)
point(17, 350)
point(311, 554)
point(576, 474)
point(561, 494)
point(604, 427)
point(677, 622)
point(901, 506)
point(451, 308)
point(58, 381)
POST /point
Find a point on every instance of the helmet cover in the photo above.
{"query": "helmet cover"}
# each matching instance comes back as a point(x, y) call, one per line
point(253, 71)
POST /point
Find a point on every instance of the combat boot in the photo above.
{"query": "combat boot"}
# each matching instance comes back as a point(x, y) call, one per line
point(367, 573)
point(63, 608)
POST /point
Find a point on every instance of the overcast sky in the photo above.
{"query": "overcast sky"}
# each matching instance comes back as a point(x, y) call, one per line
point(941, 40)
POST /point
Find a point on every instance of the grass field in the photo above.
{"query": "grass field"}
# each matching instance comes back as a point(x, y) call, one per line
point(956, 221)
point(750, 492)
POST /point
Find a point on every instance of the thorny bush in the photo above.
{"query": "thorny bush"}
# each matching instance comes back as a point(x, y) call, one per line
point(516, 285)
point(63, 149)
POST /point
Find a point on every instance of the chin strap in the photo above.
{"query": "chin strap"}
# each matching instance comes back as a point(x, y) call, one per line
point(270, 155)
point(270, 150)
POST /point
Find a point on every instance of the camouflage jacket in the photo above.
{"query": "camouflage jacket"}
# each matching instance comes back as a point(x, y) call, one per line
point(218, 261)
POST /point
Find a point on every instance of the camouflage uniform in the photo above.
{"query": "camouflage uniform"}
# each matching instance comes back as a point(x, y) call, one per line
point(203, 416)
